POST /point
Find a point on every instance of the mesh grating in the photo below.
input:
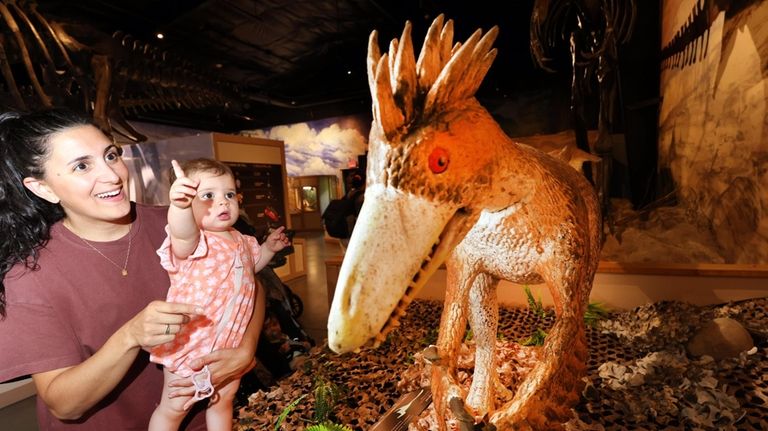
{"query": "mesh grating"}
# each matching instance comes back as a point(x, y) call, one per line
point(679, 394)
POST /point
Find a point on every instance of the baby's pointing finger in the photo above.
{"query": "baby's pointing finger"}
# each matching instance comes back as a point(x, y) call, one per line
point(177, 169)
point(188, 182)
point(187, 190)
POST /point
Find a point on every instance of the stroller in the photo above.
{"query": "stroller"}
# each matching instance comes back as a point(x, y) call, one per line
point(283, 343)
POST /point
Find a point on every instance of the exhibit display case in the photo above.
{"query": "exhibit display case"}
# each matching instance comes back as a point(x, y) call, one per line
point(308, 197)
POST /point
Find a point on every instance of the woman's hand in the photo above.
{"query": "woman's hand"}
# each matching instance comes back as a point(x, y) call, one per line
point(158, 323)
point(277, 240)
point(225, 365)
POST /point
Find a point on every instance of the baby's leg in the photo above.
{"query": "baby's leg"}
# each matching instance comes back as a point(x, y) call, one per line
point(169, 414)
point(219, 415)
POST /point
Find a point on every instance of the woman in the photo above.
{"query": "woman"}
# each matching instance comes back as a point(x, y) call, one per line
point(82, 287)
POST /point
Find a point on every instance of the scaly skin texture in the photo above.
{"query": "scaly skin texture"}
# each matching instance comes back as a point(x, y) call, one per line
point(491, 209)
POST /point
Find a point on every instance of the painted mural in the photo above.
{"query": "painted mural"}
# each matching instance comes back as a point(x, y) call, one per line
point(713, 132)
point(321, 147)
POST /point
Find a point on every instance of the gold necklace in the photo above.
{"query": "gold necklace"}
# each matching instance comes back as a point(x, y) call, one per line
point(124, 268)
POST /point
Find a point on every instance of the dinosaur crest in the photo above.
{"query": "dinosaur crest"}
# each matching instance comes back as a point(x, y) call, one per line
point(404, 89)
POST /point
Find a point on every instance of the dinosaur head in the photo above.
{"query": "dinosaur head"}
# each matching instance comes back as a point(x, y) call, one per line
point(432, 151)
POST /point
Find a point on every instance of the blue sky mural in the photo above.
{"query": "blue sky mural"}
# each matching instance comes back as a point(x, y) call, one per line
point(322, 147)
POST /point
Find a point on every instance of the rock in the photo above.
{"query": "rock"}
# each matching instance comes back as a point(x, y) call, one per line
point(721, 338)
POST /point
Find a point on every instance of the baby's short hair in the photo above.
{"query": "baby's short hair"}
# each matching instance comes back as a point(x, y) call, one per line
point(203, 165)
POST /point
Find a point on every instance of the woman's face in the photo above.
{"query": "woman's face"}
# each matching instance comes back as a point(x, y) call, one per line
point(86, 175)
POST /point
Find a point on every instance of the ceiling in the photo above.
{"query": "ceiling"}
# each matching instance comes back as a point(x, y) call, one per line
point(287, 61)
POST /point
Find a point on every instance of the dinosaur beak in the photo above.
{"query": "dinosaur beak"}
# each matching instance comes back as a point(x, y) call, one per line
point(391, 247)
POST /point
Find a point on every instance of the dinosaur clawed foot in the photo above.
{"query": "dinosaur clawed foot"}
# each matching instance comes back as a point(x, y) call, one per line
point(465, 419)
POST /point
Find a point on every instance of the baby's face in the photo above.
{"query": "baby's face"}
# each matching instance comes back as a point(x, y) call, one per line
point(215, 206)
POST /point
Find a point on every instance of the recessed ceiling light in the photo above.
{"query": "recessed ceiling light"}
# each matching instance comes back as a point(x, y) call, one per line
point(349, 72)
point(218, 65)
point(160, 35)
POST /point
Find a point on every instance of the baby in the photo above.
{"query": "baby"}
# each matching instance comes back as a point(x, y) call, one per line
point(210, 265)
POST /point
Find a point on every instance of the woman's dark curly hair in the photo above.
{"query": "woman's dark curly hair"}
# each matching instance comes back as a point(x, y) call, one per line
point(25, 219)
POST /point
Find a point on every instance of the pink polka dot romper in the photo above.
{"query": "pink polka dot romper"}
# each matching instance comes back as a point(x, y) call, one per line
point(217, 276)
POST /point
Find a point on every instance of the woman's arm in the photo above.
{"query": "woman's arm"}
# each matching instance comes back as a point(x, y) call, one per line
point(70, 392)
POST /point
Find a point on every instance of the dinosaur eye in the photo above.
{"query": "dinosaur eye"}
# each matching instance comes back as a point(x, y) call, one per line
point(438, 160)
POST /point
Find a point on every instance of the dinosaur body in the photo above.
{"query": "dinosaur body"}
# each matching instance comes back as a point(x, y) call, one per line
point(445, 184)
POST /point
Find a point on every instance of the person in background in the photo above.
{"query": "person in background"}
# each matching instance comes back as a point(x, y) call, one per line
point(81, 288)
point(356, 194)
point(210, 264)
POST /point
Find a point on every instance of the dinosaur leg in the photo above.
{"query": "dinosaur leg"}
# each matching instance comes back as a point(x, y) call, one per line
point(484, 320)
point(544, 398)
point(453, 326)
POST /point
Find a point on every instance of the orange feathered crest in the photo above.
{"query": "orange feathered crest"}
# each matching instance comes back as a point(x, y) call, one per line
point(403, 89)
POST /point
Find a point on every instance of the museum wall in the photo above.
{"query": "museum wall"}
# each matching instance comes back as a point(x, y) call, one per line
point(322, 147)
point(713, 125)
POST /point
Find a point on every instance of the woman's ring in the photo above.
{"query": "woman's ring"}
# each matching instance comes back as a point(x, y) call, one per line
point(167, 328)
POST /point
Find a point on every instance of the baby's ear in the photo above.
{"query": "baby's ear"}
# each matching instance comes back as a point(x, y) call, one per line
point(41, 189)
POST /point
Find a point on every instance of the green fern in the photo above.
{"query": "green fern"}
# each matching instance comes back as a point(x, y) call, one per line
point(430, 338)
point(328, 426)
point(287, 410)
point(595, 313)
point(536, 306)
point(327, 395)
point(536, 339)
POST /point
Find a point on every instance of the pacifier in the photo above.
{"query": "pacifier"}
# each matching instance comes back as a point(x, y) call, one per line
point(202, 381)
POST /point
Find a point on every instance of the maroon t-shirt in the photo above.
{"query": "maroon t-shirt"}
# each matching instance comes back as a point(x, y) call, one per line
point(62, 313)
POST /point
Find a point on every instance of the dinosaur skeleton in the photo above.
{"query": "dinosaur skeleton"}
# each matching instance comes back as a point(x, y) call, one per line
point(594, 29)
point(445, 184)
point(47, 63)
point(690, 43)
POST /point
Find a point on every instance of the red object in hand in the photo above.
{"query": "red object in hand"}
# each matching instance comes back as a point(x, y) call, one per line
point(272, 214)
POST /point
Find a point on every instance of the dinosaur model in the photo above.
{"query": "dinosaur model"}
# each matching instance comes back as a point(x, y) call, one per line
point(445, 184)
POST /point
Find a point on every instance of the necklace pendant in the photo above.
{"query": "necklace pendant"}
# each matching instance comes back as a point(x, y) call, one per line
point(125, 272)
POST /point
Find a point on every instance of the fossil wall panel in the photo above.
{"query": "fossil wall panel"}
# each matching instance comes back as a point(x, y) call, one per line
point(713, 136)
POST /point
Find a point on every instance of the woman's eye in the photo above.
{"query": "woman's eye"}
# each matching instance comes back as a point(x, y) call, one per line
point(80, 167)
point(113, 154)
point(231, 195)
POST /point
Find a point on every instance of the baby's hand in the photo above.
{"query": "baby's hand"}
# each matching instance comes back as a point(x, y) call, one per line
point(184, 189)
point(277, 240)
